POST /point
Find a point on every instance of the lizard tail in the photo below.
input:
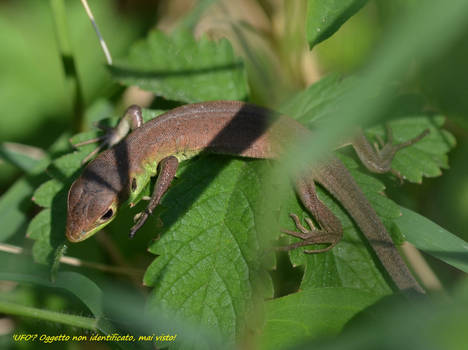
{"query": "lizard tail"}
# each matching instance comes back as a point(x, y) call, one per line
point(339, 182)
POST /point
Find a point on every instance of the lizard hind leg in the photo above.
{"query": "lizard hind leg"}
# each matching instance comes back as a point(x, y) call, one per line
point(309, 236)
point(378, 158)
point(330, 231)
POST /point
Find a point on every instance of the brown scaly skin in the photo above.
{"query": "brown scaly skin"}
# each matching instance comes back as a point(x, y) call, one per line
point(224, 127)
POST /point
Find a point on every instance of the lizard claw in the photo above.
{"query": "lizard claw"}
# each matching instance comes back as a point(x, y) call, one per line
point(104, 141)
point(385, 151)
point(309, 236)
point(398, 175)
point(131, 120)
point(137, 216)
point(389, 148)
point(139, 219)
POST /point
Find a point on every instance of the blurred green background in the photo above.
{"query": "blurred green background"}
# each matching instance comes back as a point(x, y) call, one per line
point(35, 93)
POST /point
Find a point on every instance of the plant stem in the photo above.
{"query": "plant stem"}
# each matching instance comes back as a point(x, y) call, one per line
point(68, 62)
point(102, 42)
point(28, 311)
point(133, 273)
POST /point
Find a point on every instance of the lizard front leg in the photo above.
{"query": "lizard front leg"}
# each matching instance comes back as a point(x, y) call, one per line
point(167, 171)
point(330, 231)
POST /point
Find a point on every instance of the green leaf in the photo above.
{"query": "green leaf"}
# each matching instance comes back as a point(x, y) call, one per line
point(432, 323)
point(16, 202)
point(44, 195)
point(318, 100)
point(14, 205)
point(210, 255)
point(48, 227)
point(107, 301)
point(310, 314)
point(79, 285)
point(433, 239)
point(23, 157)
point(211, 241)
point(99, 110)
point(39, 230)
point(149, 114)
point(179, 68)
point(18, 269)
point(325, 17)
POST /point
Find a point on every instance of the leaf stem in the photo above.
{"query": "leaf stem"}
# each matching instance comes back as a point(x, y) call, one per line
point(133, 273)
point(28, 311)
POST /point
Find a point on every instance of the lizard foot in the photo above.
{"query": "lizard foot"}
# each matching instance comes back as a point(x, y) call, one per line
point(139, 219)
point(309, 236)
point(386, 150)
point(131, 120)
point(108, 139)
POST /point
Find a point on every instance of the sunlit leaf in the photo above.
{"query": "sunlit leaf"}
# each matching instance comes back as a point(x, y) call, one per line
point(325, 17)
point(433, 239)
point(208, 269)
point(179, 68)
point(313, 313)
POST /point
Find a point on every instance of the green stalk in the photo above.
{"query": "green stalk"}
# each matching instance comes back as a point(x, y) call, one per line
point(28, 311)
point(68, 61)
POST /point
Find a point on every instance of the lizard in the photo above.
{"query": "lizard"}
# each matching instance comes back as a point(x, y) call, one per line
point(119, 174)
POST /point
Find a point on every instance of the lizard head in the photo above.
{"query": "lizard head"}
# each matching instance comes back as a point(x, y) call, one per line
point(93, 199)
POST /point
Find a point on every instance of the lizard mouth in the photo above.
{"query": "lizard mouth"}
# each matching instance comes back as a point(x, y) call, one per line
point(74, 231)
point(74, 235)
point(80, 231)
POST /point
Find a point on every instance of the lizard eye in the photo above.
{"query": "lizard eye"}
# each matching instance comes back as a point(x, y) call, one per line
point(107, 215)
